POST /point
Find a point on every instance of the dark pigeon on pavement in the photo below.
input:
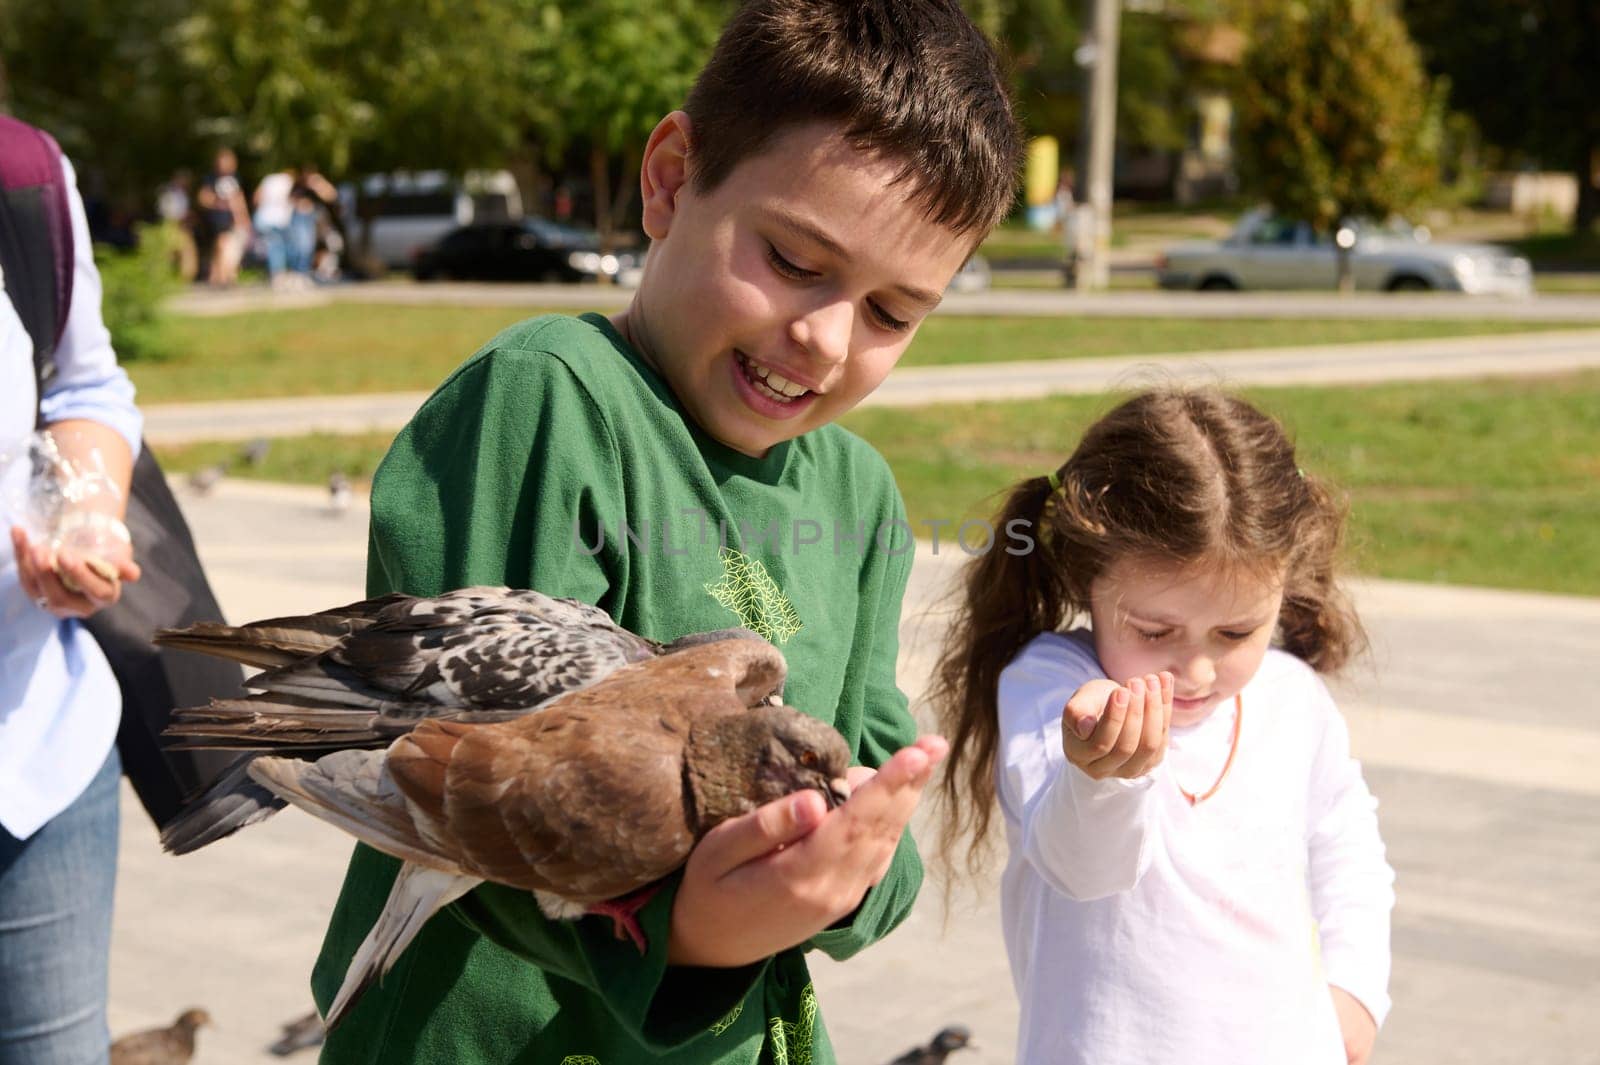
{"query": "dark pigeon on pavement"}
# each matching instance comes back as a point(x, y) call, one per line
point(587, 803)
point(161, 1046)
point(358, 676)
point(948, 1041)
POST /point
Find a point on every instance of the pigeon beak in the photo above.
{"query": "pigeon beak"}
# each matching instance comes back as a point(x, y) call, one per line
point(838, 792)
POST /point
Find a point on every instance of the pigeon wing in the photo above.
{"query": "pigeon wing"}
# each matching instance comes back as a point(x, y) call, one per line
point(584, 799)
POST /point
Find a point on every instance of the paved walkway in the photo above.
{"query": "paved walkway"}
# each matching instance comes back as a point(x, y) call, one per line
point(1474, 719)
point(1515, 354)
point(1019, 302)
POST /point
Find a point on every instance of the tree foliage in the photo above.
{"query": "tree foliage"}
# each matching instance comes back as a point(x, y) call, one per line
point(136, 90)
point(1529, 75)
point(1336, 115)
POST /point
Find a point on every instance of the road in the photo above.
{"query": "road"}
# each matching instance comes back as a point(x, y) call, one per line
point(1473, 717)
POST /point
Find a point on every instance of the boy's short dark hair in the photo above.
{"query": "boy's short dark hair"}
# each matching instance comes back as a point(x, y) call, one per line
point(913, 80)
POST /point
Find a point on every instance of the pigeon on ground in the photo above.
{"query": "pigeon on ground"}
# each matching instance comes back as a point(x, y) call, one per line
point(948, 1041)
point(299, 1034)
point(203, 480)
point(586, 803)
point(161, 1046)
point(255, 452)
point(361, 675)
point(338, 493)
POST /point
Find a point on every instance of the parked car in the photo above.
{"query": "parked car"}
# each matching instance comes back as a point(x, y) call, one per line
point(1266, 251)
point(529, 249)
point(409, 211)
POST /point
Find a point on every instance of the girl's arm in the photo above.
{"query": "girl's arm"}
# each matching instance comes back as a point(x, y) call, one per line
point(1351, 882)
point(1088, 838)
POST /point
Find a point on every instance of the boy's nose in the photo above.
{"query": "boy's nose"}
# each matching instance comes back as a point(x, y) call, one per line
point(824, 331)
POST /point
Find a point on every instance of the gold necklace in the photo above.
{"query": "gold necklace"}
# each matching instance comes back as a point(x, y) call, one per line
point(1233, 749)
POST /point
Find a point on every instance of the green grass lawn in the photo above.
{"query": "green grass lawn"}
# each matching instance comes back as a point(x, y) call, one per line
point(1587, 284)
point(1492, 483)
point(349, 348)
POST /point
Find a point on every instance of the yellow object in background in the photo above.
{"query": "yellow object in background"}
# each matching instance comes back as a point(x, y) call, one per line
point(1040, 178)
point(1043, 171)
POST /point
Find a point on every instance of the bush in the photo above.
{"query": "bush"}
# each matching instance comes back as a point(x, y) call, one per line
point(136, 285)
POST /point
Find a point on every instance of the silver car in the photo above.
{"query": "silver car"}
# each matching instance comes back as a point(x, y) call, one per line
point(1269, 252)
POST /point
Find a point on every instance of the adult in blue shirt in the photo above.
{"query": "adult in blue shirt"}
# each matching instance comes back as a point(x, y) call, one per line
point(59, 703)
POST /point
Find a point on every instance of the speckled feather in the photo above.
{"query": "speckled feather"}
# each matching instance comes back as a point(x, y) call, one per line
point(360, 675)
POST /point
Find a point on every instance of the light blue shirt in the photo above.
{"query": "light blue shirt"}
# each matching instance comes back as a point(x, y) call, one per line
point(59, 703)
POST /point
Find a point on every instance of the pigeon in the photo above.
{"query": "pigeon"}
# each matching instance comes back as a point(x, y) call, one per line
point(299, 1034)
point(586, 803)
point(361, 675)
point(339, 494)
point(946, 1042)
point(161, 1046)
point(203, 480)
point(255, 452)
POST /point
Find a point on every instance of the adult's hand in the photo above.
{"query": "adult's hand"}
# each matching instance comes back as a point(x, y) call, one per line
point(69, 583)
point(772, 879)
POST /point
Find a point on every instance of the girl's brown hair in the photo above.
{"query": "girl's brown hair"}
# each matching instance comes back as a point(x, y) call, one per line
point(1172, 475)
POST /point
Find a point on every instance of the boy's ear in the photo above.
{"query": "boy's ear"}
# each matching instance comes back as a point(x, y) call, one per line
point(663, 172)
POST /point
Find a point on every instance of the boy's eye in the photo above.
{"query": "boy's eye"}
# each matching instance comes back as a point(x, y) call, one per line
point(787, 268)
point(1153, 634)
point(888, 321)
point(1236, 636)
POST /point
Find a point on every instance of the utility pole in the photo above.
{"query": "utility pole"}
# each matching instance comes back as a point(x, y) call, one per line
point(1098, 56)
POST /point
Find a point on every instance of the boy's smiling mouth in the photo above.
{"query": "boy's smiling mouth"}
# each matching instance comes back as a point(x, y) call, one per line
point(768, 391)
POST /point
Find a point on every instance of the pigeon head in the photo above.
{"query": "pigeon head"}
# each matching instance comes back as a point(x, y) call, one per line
point(953, 1038)
point(739, 761)
point(192, 1019)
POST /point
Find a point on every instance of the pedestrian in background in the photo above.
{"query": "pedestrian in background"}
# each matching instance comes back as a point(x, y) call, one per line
point(227, 218)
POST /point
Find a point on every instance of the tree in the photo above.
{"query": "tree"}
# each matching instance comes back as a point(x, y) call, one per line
point(1337, 119)
point(100, 76)
point(603, 73)
point(1527, 73)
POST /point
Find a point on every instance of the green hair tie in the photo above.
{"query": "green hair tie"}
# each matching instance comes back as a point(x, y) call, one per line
point(1055, 480)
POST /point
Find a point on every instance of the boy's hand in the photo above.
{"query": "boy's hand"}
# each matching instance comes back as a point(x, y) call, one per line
point(1113, 730)
point(772, 879)
point(1360, 1031)
point(68, 583)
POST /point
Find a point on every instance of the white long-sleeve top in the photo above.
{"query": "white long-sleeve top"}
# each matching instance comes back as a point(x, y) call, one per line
point(1143, 929)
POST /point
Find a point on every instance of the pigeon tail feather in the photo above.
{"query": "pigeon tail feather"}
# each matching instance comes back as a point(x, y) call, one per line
point(269, 722)
point(352, 791)
point(417, 895)
point(231, 802)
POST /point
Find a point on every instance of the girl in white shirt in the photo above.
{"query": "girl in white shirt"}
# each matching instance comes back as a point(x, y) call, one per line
point(1195, 873)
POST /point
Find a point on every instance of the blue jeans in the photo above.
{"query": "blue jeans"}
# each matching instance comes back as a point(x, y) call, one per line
point(302, 241)
point(55, 931)
point(275, 239)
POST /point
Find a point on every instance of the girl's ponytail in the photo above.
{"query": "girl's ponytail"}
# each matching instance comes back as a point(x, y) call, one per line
point(1010, 594)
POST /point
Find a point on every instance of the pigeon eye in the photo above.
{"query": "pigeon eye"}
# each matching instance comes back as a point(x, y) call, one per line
point(808, 759)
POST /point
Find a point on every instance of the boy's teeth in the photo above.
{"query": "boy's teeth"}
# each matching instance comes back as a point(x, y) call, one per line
point(776, 381)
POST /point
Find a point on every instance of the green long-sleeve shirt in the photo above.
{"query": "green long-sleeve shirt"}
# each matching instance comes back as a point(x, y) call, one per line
point(556, 459)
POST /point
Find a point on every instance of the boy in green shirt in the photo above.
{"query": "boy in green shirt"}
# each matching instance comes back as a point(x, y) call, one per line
point(835, 164)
